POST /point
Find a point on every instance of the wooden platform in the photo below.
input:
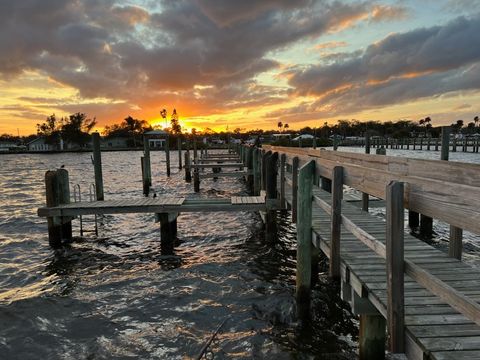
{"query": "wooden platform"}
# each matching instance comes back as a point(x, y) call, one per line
point(156, 205)
point(434, 330)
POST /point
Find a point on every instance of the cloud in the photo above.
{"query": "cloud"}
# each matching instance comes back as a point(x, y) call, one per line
point(402, 67)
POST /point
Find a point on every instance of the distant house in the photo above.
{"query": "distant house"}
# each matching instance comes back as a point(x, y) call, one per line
point(6, 146)
point(157, 138)
point(39, 144)
point(115, 142)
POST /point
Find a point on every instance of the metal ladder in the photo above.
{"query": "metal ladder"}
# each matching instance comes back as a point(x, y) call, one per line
point(77, 197)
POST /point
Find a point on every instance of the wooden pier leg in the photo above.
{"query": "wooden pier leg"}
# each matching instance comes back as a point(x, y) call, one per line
point(413, 219)
point(283, 160)
point(249, 165)
point(271, 189)
point(395, 267)
point(372, 337)
point(167, 233)
point(167, 155)
point(326, 184)
point(336, 222)
point(188, 172)
point(97, 165)
point(304, 239)
point(179, 148)
point(196, 180)
point(146, 163)
point(455, 246)
point(365, 198)
point(295, 163)
point(257, 169)
point(445, 142)
point(58, 192)
point(265, 156)
point(426, 227)
point(146, 186)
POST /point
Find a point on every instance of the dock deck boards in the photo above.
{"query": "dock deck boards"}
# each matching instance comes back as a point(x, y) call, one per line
point(432, 326)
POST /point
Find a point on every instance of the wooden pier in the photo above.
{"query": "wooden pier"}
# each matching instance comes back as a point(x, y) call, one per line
point(418, 300)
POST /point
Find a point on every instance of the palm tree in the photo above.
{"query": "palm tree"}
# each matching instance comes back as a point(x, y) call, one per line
point(285, 126)
point(279, 125)
point(476, 120)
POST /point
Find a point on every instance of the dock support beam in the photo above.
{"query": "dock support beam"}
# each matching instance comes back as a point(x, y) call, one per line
point(283, 161)
point(271, 190)
point(167, 155)
point(179, 148)
point(395, 267)
point(365, 197)
point(257, 169)
point(304, 239)
point(249, 165)
point(188, 171)
point(97, 166)
point(147, 170)
point(57, 193)
point(295, 164)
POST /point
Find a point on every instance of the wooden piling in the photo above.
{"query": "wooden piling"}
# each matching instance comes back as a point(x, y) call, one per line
point(336, 221)
point(304, 239)
point(167, 155)
point(196, 180)
point(179, 148)
point(413, 219)
point(249, 165)
point(147, 180)
point(271, 191)
point(445, 142)
point(168, 231)
point(58, 193)
point(395, 266)
point(371, 339)
point(283, 161)
point(257, 169)
point(265, 156)
point(188, 171)
point(365, 198)
point(97, 166)
point(426, 226)
point(295, 164)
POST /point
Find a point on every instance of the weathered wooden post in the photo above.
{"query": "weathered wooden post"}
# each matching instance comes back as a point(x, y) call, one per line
point(271, 191)
point(97, 166)
point(249, 165)
point(335, 143)
point(265, 156)
point(283, 160)
point(196, 180)
point(426, 226)
point(57, 193)
point(365, 198)
point(167, 154)
point(257, 169)
point(304, 239)
point(295, 165)
point(314, 138)
point(413, 219)
point(455, 246)
point(336, 221)
point(147, 170)
point(168, 232)
point(188, 170)
point(395, 267)
point(179, 148)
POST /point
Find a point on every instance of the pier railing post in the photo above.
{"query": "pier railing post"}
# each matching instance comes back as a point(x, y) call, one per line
point(295, 164)
point(97, 166)
point(336, 222)
point(304, 239)
point(57, 193)
point(271, 191)
point(188, 171)
point(365, 197)
point(395, 266)
point(265, 156)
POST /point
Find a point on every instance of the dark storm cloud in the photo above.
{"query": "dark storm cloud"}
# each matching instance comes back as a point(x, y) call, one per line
point(112, 49)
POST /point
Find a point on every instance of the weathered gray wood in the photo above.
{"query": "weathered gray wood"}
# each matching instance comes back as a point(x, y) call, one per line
point(58, 193)
point(188, 172)
point(271, 194)
point(179, 148)
point(283, 159)
point(167, 155)
point(371, 340)
point(455, 245)
point(97, 166)
point(249, 165)
point(395, 267)
point(336, 221)
point(295, 165)
point(304, 239)
point(196, 180)
point(167, 233)
point(146, 163)
point(257, 168)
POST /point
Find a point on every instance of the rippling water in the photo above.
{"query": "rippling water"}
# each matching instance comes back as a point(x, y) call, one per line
point(115, 296)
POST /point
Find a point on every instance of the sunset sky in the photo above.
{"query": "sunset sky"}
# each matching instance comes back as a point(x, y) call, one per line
point(239, 63)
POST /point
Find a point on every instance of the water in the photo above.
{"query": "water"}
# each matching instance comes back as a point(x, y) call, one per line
point(116, 297)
